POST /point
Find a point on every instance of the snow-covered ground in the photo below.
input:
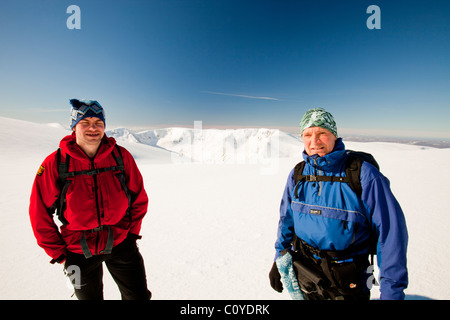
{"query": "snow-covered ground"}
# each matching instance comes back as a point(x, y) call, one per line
point(213, 211)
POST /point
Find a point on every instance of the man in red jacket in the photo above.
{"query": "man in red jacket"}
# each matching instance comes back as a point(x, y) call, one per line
point(100, 200)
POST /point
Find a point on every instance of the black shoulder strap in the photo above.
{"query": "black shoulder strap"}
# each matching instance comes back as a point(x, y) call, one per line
point(298, 171)
point(353, 172)
point(364, 156)
point(63, 169)
point(122, 178)
point(63, 166)
point(118, 158)
point(298, 174)
point(353, 165)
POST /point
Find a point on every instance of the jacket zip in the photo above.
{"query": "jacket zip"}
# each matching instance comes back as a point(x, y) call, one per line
point(320, 173)
point(97, 206)
point(320, 183)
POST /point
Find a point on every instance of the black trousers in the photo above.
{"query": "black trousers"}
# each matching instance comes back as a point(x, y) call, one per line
point(125, 264)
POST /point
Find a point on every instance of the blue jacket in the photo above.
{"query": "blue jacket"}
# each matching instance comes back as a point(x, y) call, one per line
point(330, 216)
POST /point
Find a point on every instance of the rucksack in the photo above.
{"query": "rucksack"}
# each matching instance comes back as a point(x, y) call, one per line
point(64, 183)
point(329, 273)
point(353, 165)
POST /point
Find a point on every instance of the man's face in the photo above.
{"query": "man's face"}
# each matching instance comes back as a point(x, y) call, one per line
point(318, 140)
point(90, 130)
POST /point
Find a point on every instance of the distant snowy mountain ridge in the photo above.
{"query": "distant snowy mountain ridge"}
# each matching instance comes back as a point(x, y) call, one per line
point(248, 145)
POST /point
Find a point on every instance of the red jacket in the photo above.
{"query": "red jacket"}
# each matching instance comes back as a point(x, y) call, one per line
point(92, 201)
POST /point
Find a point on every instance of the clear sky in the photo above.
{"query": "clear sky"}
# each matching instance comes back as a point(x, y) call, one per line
point(230, 62)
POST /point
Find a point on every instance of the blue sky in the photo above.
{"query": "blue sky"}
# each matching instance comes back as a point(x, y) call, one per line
point(230, 63)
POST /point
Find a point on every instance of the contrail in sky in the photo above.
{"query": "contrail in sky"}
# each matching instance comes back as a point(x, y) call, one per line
point(241, 95)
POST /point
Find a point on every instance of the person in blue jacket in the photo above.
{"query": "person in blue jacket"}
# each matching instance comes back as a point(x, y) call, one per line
point(327, 223)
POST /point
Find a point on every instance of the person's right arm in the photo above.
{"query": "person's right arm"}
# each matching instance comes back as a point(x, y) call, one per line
point(44, 193)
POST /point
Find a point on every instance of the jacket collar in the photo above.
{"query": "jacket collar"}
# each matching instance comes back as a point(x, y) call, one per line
point(330, 162)
point(69, 145)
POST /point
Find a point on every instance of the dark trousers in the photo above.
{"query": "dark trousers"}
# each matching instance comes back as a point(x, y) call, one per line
point(125, 264)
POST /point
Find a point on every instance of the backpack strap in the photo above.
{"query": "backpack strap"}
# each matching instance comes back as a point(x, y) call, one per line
point(353, 166)
point(122, 179)
point(65, 175)
point(63, 166)
point(298, 175)
point(353, 172)
point(64, 182)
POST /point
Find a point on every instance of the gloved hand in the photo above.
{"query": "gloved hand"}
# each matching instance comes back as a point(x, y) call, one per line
point(275, 278)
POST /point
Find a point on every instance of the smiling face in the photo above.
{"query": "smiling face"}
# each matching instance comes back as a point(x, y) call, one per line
point(318, 140)
point(89, 132)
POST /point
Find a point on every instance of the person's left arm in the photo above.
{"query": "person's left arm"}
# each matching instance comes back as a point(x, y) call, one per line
point(135, 184)
point(390, 225)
